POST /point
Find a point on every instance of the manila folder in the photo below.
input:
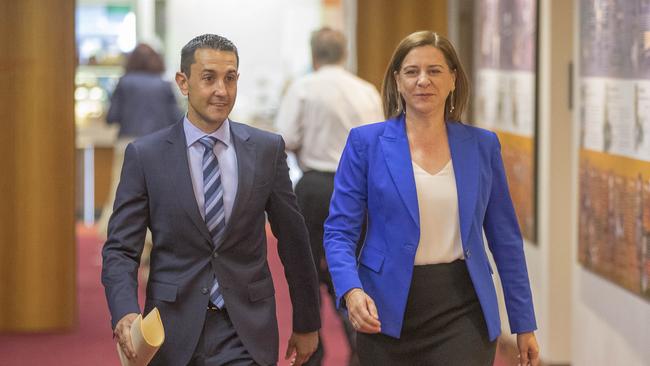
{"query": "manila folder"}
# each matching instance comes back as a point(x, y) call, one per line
point(147, 335)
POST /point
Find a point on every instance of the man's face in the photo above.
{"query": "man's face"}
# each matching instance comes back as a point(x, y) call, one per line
point(211, 88)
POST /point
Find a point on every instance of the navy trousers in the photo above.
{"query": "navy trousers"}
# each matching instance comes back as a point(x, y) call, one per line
point(219, 344)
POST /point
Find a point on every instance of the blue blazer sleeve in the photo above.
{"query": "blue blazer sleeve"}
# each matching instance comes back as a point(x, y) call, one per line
point(346, 217)
point(506, 244)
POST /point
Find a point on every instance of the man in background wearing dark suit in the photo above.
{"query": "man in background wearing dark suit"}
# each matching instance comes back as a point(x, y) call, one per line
point(203, 187)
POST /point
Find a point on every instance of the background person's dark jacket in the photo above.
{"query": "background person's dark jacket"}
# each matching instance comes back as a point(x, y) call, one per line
point(142, 103)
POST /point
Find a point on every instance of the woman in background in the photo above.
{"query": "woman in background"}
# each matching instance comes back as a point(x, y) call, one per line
point(142, 103)
point(421, 291)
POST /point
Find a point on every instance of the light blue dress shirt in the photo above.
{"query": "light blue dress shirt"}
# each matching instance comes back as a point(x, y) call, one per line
point(225, 152)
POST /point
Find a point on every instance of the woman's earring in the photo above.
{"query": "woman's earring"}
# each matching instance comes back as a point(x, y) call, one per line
point(451, 102)
point(400, 103)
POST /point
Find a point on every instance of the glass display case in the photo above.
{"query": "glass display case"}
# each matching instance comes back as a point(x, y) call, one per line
point(104, 34)
point(93, 88)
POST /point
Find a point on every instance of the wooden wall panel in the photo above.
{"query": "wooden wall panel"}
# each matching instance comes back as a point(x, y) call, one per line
point(381, 24)
point(103, 172)
point(37, 240)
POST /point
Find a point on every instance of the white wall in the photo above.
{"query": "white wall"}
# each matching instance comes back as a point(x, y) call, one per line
point(611, 326)
point(145, 13)
point(272, 38)
point(552, 279)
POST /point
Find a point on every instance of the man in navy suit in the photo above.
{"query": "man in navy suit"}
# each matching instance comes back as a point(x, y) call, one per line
point(209, 274)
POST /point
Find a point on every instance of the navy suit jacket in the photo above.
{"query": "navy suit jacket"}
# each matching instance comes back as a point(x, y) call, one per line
point(155, 191)
point(375, 181)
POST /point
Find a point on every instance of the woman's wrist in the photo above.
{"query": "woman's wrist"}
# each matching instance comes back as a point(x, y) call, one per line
point(350, 292)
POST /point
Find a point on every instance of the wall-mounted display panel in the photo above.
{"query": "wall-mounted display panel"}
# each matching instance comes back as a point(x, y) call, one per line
point(614, 88)
point(505, 94)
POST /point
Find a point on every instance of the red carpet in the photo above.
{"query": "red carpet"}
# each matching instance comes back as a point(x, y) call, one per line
point(90, 342)
point(333, 336)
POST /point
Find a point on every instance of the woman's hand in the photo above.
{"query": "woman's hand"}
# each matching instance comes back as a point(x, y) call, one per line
point(528, 349)
point(362, 311)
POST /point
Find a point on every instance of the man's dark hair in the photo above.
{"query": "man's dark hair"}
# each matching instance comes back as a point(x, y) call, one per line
point(212, 41)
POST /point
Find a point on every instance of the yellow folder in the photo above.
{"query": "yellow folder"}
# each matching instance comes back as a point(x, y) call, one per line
point(147, 335)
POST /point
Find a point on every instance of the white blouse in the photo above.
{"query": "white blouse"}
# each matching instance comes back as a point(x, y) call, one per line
point(439, 221)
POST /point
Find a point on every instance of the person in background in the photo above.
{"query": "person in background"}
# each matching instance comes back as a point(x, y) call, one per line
point(421, 292)
point(142, 103)
point(314, 119)
point(205, 187)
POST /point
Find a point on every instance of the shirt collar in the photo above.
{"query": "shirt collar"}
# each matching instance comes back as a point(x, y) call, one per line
point(331, 67)
point(194, 134)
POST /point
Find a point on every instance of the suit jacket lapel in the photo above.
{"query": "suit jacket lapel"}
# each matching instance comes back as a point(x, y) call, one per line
point(464, 155)
point(396, 150)
point(246, 155)
point(176, 155)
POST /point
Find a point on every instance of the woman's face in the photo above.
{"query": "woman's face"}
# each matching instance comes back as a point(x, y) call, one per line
point(425, 80)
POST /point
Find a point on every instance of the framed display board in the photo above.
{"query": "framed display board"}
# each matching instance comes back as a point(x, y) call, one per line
point(505, 90)
point(614, 88)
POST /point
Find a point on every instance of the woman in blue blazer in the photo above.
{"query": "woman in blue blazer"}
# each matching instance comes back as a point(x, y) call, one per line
point(421, 291)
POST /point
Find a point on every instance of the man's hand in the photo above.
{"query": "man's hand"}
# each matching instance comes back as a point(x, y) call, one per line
point(122, 333)
point(528, 349)
point(303, 345)
point(362, 311)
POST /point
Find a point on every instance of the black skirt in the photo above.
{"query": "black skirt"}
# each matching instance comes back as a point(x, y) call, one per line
point(443, 324)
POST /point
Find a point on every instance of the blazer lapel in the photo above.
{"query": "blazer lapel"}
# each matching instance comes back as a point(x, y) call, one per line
point(464, 156)
point(181, 179)
point(396, 150)
point(246, 156)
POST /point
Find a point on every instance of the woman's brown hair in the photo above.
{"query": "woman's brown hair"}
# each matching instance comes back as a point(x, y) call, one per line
point(393, 102)
point(145, 59)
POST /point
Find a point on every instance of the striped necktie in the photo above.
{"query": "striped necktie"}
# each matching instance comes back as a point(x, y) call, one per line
point(213, 202)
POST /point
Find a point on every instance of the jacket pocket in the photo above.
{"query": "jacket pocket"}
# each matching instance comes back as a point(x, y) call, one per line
point(261, 289)
point(372, 259)
point(162, 291)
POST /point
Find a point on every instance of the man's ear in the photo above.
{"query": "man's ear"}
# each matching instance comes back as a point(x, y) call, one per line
point(182, 81)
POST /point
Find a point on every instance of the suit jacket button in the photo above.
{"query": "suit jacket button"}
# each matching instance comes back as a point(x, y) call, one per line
point(467, 253)
point(215, 255)
point(204, 290)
